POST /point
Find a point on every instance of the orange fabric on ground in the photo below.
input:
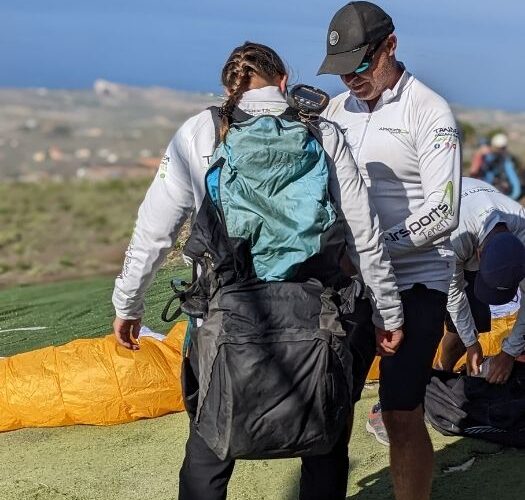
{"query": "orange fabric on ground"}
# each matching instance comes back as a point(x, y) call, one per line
point(92, 381)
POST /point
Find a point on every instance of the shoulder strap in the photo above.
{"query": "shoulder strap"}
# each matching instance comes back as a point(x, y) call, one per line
point(315, 132)
point(291, 114)
point(216, 117)
point(238, 116)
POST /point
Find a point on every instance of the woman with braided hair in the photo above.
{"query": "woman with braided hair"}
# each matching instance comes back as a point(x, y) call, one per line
point(251, 66)
point(254, 78)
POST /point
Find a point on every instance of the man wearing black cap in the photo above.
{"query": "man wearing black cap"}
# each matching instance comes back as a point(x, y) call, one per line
point(406, 144)
point(489, 242)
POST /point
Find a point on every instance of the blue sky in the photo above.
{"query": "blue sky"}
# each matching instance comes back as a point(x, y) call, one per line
point(470, 51)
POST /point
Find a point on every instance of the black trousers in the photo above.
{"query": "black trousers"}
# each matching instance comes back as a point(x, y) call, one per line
point(204, 477)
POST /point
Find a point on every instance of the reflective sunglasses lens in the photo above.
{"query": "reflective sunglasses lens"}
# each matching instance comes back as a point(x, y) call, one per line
point(362, 67)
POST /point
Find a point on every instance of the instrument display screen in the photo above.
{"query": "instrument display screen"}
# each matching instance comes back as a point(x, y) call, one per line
point(310, 95)
point(307, 100)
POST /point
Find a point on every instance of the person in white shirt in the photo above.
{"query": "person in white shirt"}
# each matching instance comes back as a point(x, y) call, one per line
point(489, 245)
point(406, 145)
point(255, 81)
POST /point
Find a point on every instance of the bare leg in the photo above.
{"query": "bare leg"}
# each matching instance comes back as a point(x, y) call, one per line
point(451, 350)
point(411, 454)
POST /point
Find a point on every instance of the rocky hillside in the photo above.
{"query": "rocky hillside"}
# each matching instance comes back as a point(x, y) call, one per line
point(114, 130)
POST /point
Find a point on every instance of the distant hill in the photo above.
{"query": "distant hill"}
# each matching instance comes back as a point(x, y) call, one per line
point(115, 130)
point(61, 134)
point(484, 122)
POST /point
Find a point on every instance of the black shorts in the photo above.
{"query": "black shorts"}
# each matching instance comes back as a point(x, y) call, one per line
point(480, 311)
point(403, 376)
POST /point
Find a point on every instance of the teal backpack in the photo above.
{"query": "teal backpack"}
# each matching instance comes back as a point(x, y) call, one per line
point(269, 182)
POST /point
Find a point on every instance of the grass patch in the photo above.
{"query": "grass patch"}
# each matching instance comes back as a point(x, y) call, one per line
point(50, 230)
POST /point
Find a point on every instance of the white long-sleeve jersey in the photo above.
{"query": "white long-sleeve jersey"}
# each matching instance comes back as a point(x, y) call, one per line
point(408, 152)
point(482, 207)
point(179, 188)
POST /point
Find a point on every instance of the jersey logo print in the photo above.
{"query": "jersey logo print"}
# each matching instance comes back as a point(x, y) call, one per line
point(394, 131)
point(163, 167)
point(435, 221)
point(207, 158)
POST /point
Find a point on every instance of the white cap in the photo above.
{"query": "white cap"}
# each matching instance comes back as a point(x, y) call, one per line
point(499, 141)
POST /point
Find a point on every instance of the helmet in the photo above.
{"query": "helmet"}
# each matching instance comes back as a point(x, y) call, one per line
point(499, 141)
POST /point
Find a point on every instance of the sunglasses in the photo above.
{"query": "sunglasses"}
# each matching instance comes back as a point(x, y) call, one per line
point(369, 58)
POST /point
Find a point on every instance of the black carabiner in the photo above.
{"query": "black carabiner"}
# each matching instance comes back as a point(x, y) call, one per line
point(180, 295)
point(166, 309)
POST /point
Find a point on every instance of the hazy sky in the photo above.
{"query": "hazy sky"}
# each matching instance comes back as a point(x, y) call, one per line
point(470, 51)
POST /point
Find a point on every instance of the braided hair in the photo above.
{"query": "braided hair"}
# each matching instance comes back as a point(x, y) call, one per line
point(244, 62)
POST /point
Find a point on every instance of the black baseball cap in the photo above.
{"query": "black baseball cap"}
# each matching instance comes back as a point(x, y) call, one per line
point(501, 268)
point(352, 30)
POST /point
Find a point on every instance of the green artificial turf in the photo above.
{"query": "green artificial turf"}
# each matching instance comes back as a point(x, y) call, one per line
point(55, 313)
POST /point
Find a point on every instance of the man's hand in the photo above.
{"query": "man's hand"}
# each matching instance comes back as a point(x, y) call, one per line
point(388, 342)
point(127, 332)
point(500, 368)
point(474, 358)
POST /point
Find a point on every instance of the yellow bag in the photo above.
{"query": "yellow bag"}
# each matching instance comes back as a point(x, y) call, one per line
point(92, 381)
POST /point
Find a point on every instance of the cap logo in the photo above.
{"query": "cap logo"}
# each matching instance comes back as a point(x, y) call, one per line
point(333, 38)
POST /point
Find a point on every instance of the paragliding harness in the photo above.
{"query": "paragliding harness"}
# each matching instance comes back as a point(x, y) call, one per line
point(268, 370)
point(459, 405)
